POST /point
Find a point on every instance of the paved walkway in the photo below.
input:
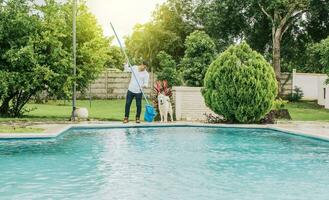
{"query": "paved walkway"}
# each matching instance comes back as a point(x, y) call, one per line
point(314, 129)
point(310, 129)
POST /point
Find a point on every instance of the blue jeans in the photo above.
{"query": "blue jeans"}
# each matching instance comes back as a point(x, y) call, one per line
point(129, 99)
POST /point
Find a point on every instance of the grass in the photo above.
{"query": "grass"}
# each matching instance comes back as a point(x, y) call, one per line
point(113, 110)
point(307, 111)
point(104, 110)
point(18, 129)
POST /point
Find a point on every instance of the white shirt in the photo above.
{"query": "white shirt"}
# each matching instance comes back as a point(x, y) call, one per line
point(143, 80)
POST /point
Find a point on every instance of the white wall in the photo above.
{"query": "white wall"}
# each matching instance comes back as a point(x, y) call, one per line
point(189, 104)
point(309, 84)
point(313, 86)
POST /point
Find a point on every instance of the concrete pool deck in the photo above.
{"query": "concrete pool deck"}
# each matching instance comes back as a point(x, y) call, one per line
point(318, 130)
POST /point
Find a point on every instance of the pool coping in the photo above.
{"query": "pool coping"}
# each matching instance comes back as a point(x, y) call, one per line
point(57, 131)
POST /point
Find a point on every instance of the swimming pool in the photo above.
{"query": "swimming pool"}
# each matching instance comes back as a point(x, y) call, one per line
point(166, 163)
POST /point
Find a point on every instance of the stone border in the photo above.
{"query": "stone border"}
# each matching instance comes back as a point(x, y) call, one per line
point(54, 133)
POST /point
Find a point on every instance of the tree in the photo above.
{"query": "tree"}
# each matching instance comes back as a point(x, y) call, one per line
point(115, 59)
point(230, 21)
point(200, 52)
point(170, 17)
point(319, 55)
point(166, 31)
point(92, 45)
point(36, 46)
point(53, 47)
point(316, 28)
point(317, 20)
point(168, 69)
point(240, 85)
point(148, 40)
point(20, 73)
point(222, 20)
point(282, 14)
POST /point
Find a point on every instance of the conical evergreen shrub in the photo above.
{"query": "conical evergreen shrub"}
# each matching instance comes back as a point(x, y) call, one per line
point(240, 85)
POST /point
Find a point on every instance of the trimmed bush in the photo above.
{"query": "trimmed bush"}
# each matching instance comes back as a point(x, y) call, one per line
point(240, 85)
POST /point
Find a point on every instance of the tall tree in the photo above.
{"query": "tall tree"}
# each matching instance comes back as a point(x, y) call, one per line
point(319, 55)
point(148, 40)
point(282, 14)
point(115, 59)
point(230, 21)
point(168, 70)
point(199, 54)
point(92, 46)
point(165, 32)
point(35, 53)
point(20, 73)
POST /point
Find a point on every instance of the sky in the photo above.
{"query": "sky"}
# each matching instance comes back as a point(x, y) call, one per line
point(124, 14)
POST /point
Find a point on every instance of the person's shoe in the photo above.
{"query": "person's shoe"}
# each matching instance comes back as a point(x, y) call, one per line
point(125, 120)
point(138, 121)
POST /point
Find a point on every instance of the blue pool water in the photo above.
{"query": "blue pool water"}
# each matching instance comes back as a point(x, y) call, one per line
point(166, 163)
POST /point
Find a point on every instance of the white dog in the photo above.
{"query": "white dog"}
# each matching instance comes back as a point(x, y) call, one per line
point(165, 107)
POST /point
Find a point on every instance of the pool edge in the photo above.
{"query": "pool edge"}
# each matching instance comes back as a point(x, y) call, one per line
point(59, 131)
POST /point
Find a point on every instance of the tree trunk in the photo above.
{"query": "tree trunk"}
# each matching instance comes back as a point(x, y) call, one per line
point(4, 108)
point(276, 33)
point(277, 53)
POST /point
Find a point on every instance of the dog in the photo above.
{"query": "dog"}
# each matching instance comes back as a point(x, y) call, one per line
point(165, 107)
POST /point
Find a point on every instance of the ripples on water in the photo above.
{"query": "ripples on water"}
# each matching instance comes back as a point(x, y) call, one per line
point(166, 163)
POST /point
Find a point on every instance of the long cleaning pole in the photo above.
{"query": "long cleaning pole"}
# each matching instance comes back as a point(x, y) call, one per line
point(74, 98)
point(127, 58)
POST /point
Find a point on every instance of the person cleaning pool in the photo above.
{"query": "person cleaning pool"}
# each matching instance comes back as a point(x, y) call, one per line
point(135, 84)
point(141, 78)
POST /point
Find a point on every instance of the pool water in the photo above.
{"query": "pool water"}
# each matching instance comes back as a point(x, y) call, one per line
point(166, 163)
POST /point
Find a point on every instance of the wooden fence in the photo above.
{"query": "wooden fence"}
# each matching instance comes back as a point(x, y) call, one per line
point(286, 83)
point(112, 85)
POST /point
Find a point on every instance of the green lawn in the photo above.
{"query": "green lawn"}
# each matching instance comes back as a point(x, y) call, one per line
point(110, 110)
point(113, 110)
point(18, 129)
point(307, 111)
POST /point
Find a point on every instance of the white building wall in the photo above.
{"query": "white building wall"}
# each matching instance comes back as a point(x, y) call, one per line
point(309, 84)
point(189, 104)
